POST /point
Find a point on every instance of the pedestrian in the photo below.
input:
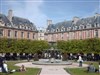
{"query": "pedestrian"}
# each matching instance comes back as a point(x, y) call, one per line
point(80, 61)
point(5, 67)
point(1, 64)
point(99, 67)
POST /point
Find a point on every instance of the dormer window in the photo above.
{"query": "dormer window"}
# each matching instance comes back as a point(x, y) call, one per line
point(85, 26)
point(22, 27)
point(88, 26)
point(31, 28)
point(25, 27)
point(28, 27)
point(57, 30)
point(62, 29)
point(0, 20)
point(81, 27)
point(67, 29)
point(96, 25)
point(75, 28)
point(18, 26)
point(47, 30)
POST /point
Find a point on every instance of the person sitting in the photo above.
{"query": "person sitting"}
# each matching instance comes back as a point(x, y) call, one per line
point(5, 67)
point(1, 64)
point(91, 68)
point(99, 67)
point(22, 68)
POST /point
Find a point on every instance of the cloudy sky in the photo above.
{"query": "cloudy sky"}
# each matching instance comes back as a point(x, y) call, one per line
point(38, 11)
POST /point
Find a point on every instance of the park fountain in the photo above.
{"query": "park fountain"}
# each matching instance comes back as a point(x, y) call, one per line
point(52, 57)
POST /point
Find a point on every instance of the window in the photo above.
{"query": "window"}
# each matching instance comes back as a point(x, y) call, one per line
point(22, 34)
point(15, 33)
point(22, 27)
point(85, 26)
point(88, 25)
point(62, 29)
point(81, 27)
point(57, 30)
point(9, 33)
point(62, 36)
point(68, 29)
point(33, 35)
point(28, 35)
point(96, 33)
point(18, 26)
point(52, 30)
point(88, 33)
point(25, 27)
point(1, 32)
point(28, 28)
point(75, 27)
point(96, 25)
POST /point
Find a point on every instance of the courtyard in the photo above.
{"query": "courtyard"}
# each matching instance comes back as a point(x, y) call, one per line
point(50, 70)
point(49, 37)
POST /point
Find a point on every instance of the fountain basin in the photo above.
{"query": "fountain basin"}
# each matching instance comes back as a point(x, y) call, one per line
point(52, 62)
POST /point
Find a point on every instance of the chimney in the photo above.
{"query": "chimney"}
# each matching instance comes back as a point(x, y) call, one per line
point(75, 19)
point(49, 22)
point(10, 15)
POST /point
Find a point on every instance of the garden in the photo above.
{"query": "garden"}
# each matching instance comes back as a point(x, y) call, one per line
point(88, 48)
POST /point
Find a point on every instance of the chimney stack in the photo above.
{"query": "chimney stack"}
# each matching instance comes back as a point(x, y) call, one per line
point(75, 19)
point(10, 15)
point(49, 22)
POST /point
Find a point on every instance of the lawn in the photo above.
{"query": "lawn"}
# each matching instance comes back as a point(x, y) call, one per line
point(82, 71)
point(30, 71)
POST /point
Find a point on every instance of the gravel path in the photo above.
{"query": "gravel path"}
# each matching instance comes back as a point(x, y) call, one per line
point(51, 70)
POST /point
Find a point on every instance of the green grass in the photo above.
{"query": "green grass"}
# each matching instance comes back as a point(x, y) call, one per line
point(30, 71)
point(82, 71)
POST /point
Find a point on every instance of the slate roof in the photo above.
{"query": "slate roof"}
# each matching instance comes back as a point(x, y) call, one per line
point(83, 21)
point(5, 19)
point(17, 21)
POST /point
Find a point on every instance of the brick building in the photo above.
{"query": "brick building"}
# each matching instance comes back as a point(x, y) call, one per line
point(76, 28)
point(16, 27)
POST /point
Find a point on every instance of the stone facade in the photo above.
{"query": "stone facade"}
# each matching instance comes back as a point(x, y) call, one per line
point(41, 35)
point(16, 27)
point(75, 29)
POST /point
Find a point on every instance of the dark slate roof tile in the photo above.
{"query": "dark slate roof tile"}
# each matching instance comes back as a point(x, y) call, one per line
point(4, 19)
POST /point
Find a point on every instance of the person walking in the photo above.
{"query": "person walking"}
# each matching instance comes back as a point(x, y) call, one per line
point(80, 61)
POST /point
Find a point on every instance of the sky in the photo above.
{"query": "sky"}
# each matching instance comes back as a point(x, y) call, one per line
point(39, 11)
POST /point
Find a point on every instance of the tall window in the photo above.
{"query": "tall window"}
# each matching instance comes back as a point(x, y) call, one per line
point(1, 32)
point(57, 30)
point(22, 34)
point(96, 33)
point(28, 35)
point(15, 33)
point(33, 35)
point(61, 35)
point(96, 25)
point(9, 33)
point(88, 34)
